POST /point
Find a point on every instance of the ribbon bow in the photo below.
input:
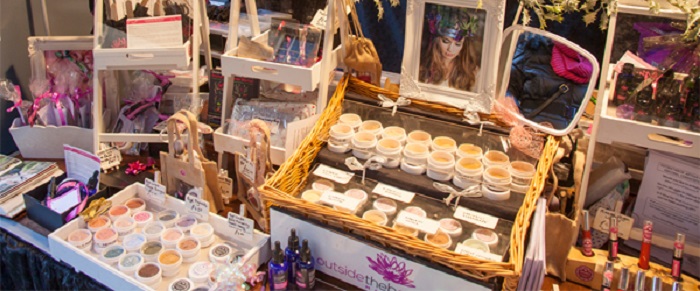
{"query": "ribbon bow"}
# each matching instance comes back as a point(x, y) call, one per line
point(388, 102)
point(374, 163)
point(471, 191)
point(137, 167)
point(96, 208)
point(472, 118)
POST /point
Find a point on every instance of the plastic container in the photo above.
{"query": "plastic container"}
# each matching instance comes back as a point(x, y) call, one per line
point(441, 165)
point(142, 218)
point(444, 143)
point(351, 119)
point(104, 238)
point(118, 211)
point(391, 150)
point(135, 205)
point(149, 274)
point(151, 250)
point(112, 254)
point(386, 205)
point(405, 230)
point(170, 237)
point(419, 136)
point(170, 262)
point(477, 245)
point(125, 226)
point(373, 127)
point(468, 172)
point(358, 194)
point(439, 239)
point(522, 189)
point(167, 217)
point(363, 144)
point(497, 176)
point(395, 132)
point(199, 272)
point(487, 236)
point(312, 196)
point(182, 284)
point(153, 230)
point(467, 150)
point(220, 253)
point(185, 223)
point(98, 223)
point(522, 172)
point(130, 263)
point(340, 135)
point(495, 192)
point(204, 232)
point(496, 158)
point(189, 248)
point(375, 216)
point(450, 226)
point(81, 239)
point(415, 158)
point(322, 185)
point(416, 210)
point(133, 242)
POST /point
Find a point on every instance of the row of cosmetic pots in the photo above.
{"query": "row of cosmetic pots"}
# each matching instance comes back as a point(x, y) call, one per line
point(439, 158)
point(150, 246)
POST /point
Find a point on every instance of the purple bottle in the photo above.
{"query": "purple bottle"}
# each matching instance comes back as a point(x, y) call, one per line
point(305, 269)
point(277, 269)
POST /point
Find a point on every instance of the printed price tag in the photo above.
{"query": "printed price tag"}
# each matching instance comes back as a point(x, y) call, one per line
point(246, 167)
point(240, 226)
point(109, 158)
point(417, 222)
point(602, 223)
point(333, 174)
point(197, 207)
point(478, 218)
point(394, 193)
point(340, 200)
point(465, 250)
point(155, 192)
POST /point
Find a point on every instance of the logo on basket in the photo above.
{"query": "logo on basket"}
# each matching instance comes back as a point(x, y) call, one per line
point(391, 270)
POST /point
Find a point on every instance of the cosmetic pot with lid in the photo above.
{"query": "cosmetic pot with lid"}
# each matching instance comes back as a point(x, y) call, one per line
point(339, 138)
point(468, 172)
point(170, 262)
point(104, 238)
point(450, 226)
point(522, 172)
point(189, 248)
point(363, 144)
point(372, 126)
point(441, 165)
point(167, 217)
point(439, 239)
point(170, 237)
point(419, 136)
point(153, 230)
point(199, 272)
point(182, 284)
point(118, 211)
point(496, 158)
point(151, 250)
point(204, 232)
point(351, 119)
point(396, 133)
point(142, 218)
point(135, 204)
point(81, 239)
point(386, 205)
point(496, 193)
point(220, 253)
point(112, 254)
point(312, 196)
point(133, 242)
point(467, 150)
point(444, 143)
point(375, 216)
point(391, 150)
point(98, 223)
point(186, 222)
point(125, 226)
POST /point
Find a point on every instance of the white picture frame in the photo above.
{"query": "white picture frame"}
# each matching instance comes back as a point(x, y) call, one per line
point(480, 95)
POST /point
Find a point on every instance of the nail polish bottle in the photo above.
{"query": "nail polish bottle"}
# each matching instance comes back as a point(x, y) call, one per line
point(292, 255)
point(677, 261)
point(645, 252)
point(277, 269)
point(587, 241)
point(305, 270)
point(612, 240)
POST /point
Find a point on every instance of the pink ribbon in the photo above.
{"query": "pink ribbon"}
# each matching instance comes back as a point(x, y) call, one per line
point(18, 100)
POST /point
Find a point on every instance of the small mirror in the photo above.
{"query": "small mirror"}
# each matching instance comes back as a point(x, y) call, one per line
point(550, 78)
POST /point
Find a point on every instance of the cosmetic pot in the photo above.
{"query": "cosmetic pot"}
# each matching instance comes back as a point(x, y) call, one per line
point(415, 158)
point(189, 249)
point(516, 188)
point(439, 239)
point(372, 126)
point(522, 172)
point(142, 218)
point(185, 223)
point(322, 185)
point(477, 245)
point(487, 236)
point(133, 242)
point(340, 135)
point(385, 205)
point(81, 239)
point(149, 274)
point(450, 226)
point(135, 205)
point(168, 217)
point(444, 143)
point(468, 172)
point(118, 211)
point(130, 263)
point(170, 262)
point(151, 250)
point(153, 230)
point(496, 158)
point(104, 238)
point(396, 133)
point(496, 193)
point(125, 226)
point(182, 284)
point(419, 136)
point(497, 176)
point(375, 216)
point(359, 195)
point(391, 150)
point(416, 210)
point(220, 253)
point(204, 232)
point(312, 196)
point(170, 237)
point(112, 254)
point(363, 144)
point(351, 119)
point(98, 223)
point(405, 230)
point(199, 272)
point(441, 165)
point(467, 150)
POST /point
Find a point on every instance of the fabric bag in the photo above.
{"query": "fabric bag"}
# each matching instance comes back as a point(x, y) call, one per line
point(252, 169)
point(181, 172)
point(360, 54)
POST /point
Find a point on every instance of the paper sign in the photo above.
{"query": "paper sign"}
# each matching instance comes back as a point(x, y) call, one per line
point(246, 167)
point(226, 186)
point(197, 207)
point(66, 201)
point(394, 193)
point(478, 218)
point(80, 164)
point(340, 200)
point(465, 250)
point(241, 227)
point(333, 174)
point(109, 158)
point(154, 32)
point(602, 223)
point(155, 192)
point(417, 222)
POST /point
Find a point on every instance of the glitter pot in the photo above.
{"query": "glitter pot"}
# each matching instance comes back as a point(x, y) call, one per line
point(81, 239)
point(451, 227)
point(439, 239)
point(168, 217)
point(487, 236)
point(133, 242)
point(142, 218)
point(151, 250)
point(170, 237)
point(149, 274)
point(170, 262)
point(125, 226)
point(204, 232)
point(153, 230)
point(118, 211)
point(385, 205)
point(130, 263)
point(416, 210)
point(98, 223)
point(185, 223)
point(104, 238)
point(189, 248)
point(135, 204)
point(112, 254)
point(322, 185)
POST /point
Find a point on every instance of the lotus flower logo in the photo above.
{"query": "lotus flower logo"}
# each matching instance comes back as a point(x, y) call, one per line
point(392, 270)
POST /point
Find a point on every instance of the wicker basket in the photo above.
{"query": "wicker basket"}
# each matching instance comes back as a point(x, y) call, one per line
point(281, 190)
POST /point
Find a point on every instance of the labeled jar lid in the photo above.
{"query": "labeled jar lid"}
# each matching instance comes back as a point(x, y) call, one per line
point(220, 253)
point(182, 284)
point(199, 271)
point(81, 239)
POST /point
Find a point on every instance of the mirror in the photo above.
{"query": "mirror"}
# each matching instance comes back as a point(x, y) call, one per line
point(550, 78)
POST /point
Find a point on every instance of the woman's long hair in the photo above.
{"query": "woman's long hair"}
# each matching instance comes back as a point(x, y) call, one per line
point(463, 75)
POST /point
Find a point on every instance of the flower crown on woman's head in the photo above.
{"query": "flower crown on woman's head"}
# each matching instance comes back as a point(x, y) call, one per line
point(452, 22)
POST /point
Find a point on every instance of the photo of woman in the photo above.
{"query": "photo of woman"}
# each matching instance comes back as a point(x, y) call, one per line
point(451, 46)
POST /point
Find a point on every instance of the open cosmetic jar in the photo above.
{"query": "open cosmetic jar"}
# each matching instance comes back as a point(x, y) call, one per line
point(439, 239)
point(142, 218)
point(189, 248)
point(468, 172)
point(450, 226)
point(419, 136)
point(112, 254)
point(322, 185)
point(170, 262)
point(185, 223)
point(98, 223)
point(385, 205)
point(487, 236)
point(396, 133)
point(204, 232)
point(351, 119)
point(391, 150)
point(104, 238)
point(415, 158)
point(477, 245)
point(497, 193)
point(405, 230)
point(312, 196)
point(375, 216)
point(125, 226)
point(81, 239)
point(199, 272)
point(153, 230)
point(416, 210)
point(130, 263)
point(170, 237)
point(151, 250)
point(168, 217)
point(467, 150)
point(372, 126)
point(359, 195)
point(363, 144)
point(149, 274)
point(441, 165)
point(133, 242)
point(340, 135)
point(118, 211)
point(522, 172)
point(135, 205)
point(444, 143)
point(496, 159)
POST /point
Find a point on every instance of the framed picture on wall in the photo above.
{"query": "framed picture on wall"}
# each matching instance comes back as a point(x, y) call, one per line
point(451, 52)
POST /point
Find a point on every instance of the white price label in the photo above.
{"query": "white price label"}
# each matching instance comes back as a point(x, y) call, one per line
point(333, 174)
point(109, 158)
point(602, 223)
point(478, 218)
point(246, 167)
point(394, 193)
point(155, 192)
point(197, 207)
point(465, 250)
point(340, 200)
point(414, 221)
point(240, 226)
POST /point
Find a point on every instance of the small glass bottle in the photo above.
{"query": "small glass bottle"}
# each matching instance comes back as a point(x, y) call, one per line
point(306, 269)
point(277, 269)
point(291, 254)
point(624, 85)
point(643, 106)
point(671, 109)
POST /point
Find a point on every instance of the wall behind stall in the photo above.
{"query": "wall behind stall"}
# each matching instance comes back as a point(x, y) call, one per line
point(20, 19)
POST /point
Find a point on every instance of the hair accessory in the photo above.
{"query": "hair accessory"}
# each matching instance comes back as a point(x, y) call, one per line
point(137, 167)
point(452, 22)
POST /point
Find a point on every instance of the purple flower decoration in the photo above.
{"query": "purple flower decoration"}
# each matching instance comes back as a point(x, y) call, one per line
point(392, 270)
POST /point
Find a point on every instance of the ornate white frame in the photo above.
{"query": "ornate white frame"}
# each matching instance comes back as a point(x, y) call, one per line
point(479, 101)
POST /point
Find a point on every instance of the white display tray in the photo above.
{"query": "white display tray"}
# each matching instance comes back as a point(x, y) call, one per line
point(307, 78)
point(258, 251)
point(137, 59)
point(46, 142)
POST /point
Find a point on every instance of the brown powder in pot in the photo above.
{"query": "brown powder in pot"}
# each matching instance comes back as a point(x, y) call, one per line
point(188, 244)
point(148, 270)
